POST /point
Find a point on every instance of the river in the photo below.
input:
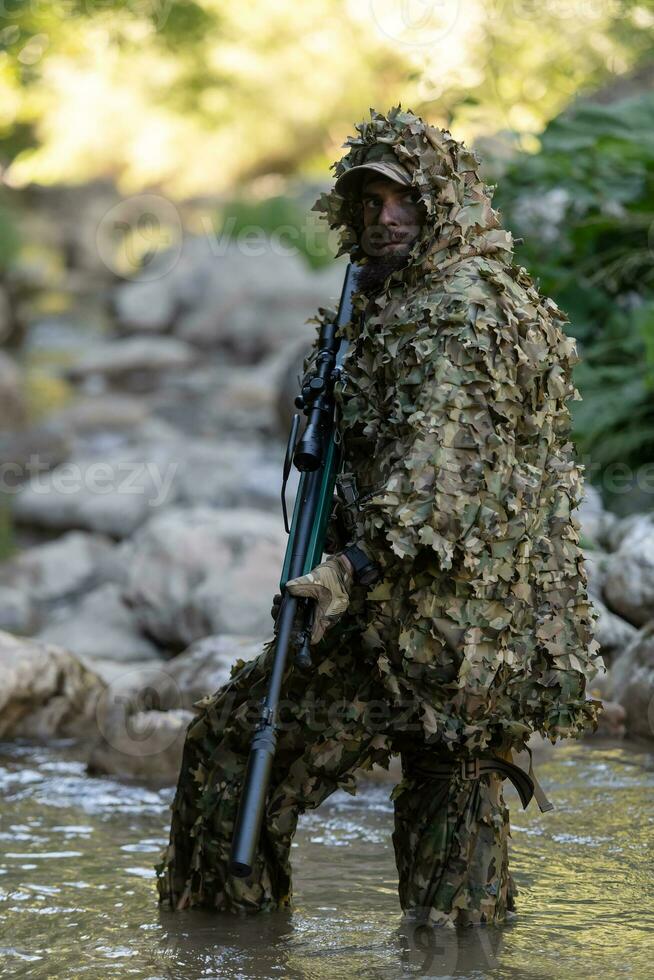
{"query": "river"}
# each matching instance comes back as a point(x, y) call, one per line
point(77, 894)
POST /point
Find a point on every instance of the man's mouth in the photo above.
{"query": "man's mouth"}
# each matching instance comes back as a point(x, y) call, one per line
point(395, 243)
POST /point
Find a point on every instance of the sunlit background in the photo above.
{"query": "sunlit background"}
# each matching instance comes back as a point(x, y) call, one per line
point(242, 107)
point(197, 97)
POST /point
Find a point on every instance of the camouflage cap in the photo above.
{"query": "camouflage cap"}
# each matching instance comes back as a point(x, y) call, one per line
point(380, 159)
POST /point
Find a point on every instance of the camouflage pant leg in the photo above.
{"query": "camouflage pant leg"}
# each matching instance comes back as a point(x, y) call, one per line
point(450, 843)
point(193, 867)
point(316, 754)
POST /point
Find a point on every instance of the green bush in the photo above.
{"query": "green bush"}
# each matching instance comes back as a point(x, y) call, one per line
point(9, 239)
point(585, 206)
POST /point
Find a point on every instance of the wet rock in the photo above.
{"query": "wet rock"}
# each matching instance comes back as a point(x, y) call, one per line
point(100, 626)
point(629, 578)
point(596, 522)
point(12, 401)
point(141, 722)
point(634, 527)
point(31, 451)
point(632, 684)
point(206, 665)
point(595, 563)
point(612, 720)
point(44, 690)
point(200, 571)
point(111, 495)
point(64, 569)
point(17, 612)
point(145, 745)
point(136, 361)
point(613, 633)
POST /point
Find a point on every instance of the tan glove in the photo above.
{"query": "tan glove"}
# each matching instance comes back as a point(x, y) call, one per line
point(329, 584)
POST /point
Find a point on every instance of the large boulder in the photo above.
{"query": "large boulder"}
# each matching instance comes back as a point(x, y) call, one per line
point(200, 571)
point(613, 633)
point(111, 495)
point(106, 412)
point(30, 451)
point(144, 745)
point(595, 563)
point(134, 362)
point(116, 492)
point(18, 613)
point(633, 527)
point(63, 570)
point(44, 690)
point(628, 586)
point(596, 522)
point(100, 627)
point(633, 684)
point(141, 724)
point(206, 665)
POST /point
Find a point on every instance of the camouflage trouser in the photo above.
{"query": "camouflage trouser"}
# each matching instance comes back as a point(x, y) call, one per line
point(450, 837)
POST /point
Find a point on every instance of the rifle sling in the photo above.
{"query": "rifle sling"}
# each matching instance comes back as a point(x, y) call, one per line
point(525, 783)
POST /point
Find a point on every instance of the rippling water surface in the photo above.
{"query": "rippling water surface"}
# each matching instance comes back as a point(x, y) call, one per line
point(77, 892)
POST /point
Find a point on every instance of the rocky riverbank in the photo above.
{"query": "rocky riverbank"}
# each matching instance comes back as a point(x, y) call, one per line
point(145, 500)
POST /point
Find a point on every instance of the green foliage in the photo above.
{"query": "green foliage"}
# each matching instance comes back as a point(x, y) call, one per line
point(585, 206)
point(9, 238)
point(195, 96)
point(284, 218)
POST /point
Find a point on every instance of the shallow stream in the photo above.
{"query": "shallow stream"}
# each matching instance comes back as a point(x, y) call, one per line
point(77, 893)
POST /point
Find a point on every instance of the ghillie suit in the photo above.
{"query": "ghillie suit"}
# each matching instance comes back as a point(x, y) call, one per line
point(454, 424)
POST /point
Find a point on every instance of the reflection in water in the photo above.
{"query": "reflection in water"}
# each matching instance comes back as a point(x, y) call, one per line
point(77, 891)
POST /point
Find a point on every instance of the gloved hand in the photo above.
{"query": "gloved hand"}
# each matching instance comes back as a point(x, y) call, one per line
point(330, 584)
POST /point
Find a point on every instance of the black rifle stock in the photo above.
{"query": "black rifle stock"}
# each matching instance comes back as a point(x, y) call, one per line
point(317, 456)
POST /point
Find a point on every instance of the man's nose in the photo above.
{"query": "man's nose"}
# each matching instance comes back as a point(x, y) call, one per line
point(390, 214)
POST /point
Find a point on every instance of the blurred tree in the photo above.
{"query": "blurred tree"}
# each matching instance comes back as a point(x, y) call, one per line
point(194, 96)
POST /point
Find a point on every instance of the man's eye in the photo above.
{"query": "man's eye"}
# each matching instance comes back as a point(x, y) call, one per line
point(371, 202)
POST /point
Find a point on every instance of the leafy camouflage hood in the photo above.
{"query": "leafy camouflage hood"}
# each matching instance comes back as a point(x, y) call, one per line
point(460, 222)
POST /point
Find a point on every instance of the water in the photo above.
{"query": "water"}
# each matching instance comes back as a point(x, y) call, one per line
point(77, 891)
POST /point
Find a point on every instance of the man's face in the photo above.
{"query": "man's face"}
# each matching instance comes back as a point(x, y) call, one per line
point(392, 217)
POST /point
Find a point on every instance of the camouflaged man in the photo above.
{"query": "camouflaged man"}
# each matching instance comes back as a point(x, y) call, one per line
point(458, 485)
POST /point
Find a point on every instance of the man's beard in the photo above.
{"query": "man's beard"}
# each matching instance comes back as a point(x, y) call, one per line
point(372, 275)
